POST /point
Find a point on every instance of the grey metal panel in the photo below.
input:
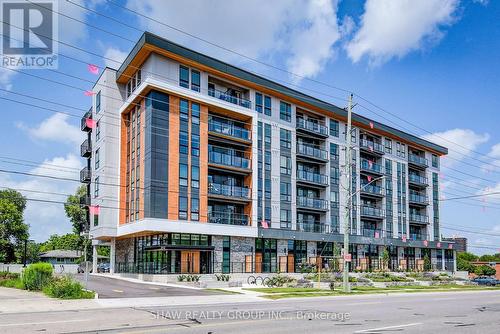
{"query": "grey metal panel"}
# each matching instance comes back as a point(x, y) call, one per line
point(149, 38)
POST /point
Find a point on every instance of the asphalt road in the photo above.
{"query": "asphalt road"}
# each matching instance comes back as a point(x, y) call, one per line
point(114, 288)
point(451, 312)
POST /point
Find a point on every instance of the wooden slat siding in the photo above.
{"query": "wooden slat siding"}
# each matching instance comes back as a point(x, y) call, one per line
point(123, 169)
point(203, 164)
point(173, 157)
point(141, 162)
point(147, 49)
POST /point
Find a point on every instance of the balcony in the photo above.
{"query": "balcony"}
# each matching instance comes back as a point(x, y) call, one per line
point(230, 131)
point(85, 200)
point(417, 161)
point(371, 167)
point(226, 96)
point(417, 180)
point(370, 189)
point(417, 236)
point(310, 151)
point(316, 227)
point(85, 175)
point(312, 127)
point(371, 147)
point(372, 233)
point(85, 149)
point(418, 199)
point(419, 219)
point(312, 203)
point(371, 212)
point(228, 218)
point(229, 192)
point(311, 178)
point(228, 158)
point(84, 125)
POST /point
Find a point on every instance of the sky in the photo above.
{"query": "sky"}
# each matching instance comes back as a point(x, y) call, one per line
point(429, 67)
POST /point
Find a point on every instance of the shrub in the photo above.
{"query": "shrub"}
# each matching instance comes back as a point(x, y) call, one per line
point(222, 277)
point(279, 280)
point(8, 275)
point(181, 278)
point(66, 288)
point(16, 283)
point(37, 276)
point(386, 277)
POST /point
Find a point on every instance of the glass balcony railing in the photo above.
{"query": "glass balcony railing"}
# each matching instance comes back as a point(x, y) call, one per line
point(316, 227)
point(371, 211)
point(311, 151)
point(228, 218)
point(311, 177)
point(229, 98)
point(371, 189)
point(372, 233)
point(417, 236)
point(418, 198)
point(229, 130)
point(371, 166)
point(417, 179)
point(417, 160)
point(421, 219)
point(312, 126)
point(85, 148)
point(229, 191)
point(371, 146)
point(313, 203)
point(228, 159)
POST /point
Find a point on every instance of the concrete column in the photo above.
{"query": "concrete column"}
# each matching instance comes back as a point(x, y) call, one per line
point(454, 261)
point(94, 259)
point(442, 260)
point(112, 256)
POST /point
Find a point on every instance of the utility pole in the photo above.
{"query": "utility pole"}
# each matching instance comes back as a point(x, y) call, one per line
point(348, 173)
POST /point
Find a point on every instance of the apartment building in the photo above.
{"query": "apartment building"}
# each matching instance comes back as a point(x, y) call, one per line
point(197, 166)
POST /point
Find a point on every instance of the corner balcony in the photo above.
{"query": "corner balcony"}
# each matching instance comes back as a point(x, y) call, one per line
point(417, 180)
point(315, 204)
point(316, 227)
point(86, 149)
point(371, 167)
point(419, 219)
point(312, 152)
point(371, 190)
point(371, 147)
point(84, 125)
point(371, 212)
point(85, 200)
point(418, 161)
point(313, 179)
point(229, 131)
point(85, 175)
point(229, 160)
point(313, 128)
point(224, 96)
point(228, 218)
point(229, 193)
point(418, 199)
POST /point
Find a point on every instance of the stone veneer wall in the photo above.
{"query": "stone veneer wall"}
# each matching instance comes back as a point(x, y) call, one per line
point(241, 247)
point(217, 258)
point(125, 250)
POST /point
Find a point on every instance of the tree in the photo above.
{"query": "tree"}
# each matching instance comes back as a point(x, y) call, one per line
point(467, 256)
point(68, 241)
point(490, 258)
point(32, 252)
point(13, 230)
point(484, 270)
point(75, 212)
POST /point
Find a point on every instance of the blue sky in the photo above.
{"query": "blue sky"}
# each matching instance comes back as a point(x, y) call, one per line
point(434, 63)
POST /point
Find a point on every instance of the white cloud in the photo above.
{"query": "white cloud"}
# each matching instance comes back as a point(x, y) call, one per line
point(460, 142)
point(301, 32)
point(394, 28)
point(6, 78)
point(494, 161)
point(47, 218)
point(55, 128)
point(114, 57)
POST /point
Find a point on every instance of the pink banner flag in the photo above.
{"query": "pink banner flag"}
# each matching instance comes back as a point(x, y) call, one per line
point(264, 224)
point(90, 123)
point(370, 163)
point(450, 246)
point(426, 243)
point(371, 125)
point(404, 238)
point(94, 209)
point(438, 245)
point(377, 235)
point(369, 178)
point(93, 69)
point(89, 93)
point(370, 148)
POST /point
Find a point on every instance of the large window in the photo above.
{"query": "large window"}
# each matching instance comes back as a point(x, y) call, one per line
point(435, 161)
point(195, 80)
point(195, 176)
point(195, 209)
point(98, 130)
point(183, 175)
point(285, 138)
point(98, 102)
point(285, 165)
point(285, 111)
point(267, 105)
point(97, 159)
point(183, 207)
point(334, 128)
point(285, 192)
point(388, 146)
point(184, 76)
point(285, 219)
point(258, 102)
point(96, 186)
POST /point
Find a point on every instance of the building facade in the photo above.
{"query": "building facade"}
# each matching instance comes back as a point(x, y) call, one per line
point(197, 166)
point(460, 243)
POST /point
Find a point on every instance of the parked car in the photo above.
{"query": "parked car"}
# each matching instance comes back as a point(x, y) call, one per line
point(485, 280)
point(103, 268)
